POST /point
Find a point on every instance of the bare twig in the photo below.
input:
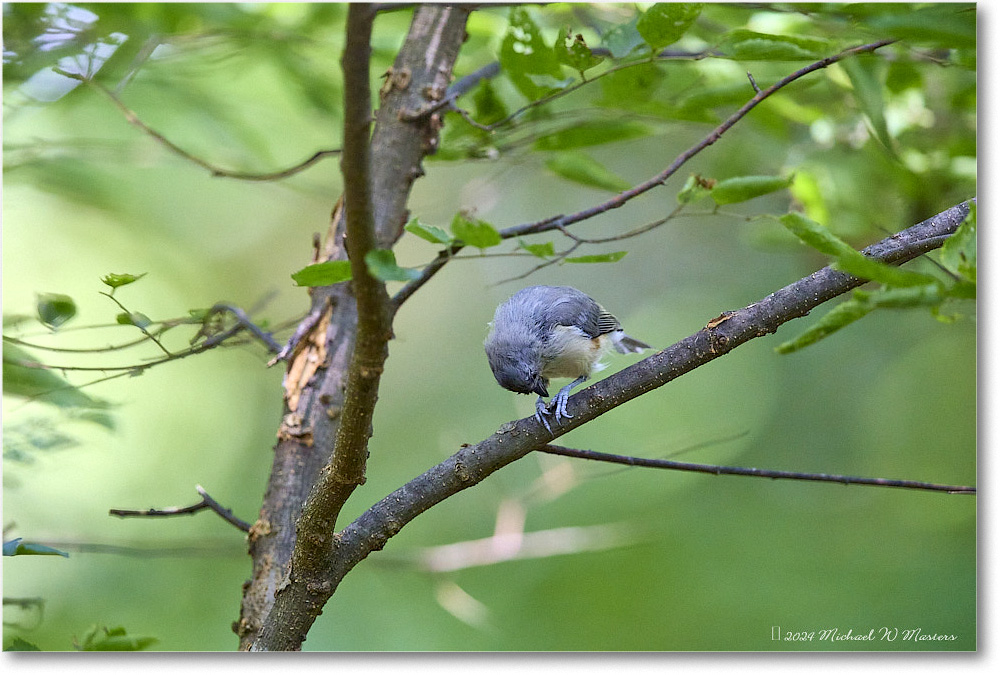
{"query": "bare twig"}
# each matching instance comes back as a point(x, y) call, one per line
point(242, 322)
point(137, 325)
point(84, 350)
point(582, 83)
point(542, 265)
point(745, 471)
point(206, 503)
point(304, 328)
point(132, 118)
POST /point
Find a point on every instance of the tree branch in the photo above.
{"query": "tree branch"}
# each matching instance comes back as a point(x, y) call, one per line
point(133, 118)
point(515, 439)
point(622, 198)
point(206, 503)
point(745, 471)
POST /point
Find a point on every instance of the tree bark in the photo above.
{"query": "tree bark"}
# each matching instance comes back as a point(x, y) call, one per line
point(318, 369)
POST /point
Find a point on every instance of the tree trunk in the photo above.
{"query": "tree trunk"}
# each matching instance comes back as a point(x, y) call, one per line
point(317, 370)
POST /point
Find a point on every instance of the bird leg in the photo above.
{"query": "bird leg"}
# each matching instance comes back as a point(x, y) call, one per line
point(556, 406)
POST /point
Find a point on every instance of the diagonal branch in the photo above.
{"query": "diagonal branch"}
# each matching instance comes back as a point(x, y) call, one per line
point(473, 463)
point(622, 198)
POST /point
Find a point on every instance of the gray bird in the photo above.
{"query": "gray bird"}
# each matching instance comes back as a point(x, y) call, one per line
point(542, 332)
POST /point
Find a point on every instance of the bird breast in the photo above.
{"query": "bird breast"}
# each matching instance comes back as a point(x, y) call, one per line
point(572, 353)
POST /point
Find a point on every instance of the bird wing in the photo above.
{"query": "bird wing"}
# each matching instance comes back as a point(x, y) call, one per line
point(570, 307)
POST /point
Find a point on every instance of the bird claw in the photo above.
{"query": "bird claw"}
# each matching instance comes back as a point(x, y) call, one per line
point(541, 412)
point(555, 407)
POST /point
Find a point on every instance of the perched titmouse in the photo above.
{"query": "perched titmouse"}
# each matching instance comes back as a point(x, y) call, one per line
point(552, 331)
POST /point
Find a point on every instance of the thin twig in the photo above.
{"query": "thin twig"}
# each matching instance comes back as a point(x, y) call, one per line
point(745, 471)
point(206, 503)
point(242, 321)
point(132, 118)
point(134, 323)
point(304, 327)
point(540, 266)
point(582, 83)
point(85, 350)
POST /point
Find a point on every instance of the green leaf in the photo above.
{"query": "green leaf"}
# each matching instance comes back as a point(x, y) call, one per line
point(581, 168)
point(19, 645)
point(744, 188)
point(25, 376)
point(843, 314)
point(137, 319)
point(863, 267)
point(867, 75)
point(808, 192)
point(549, 83)
point(543, 250)
point(55, 309)
point(745, 45)
point(665, 22)
point(474, 232)
point(623, 39)
point(694, 189)
point(99, 639)
point(731, 94)
point(119, 280)
point(573, 51)
point(592, 133)
point(431, 233)
point(944, 26)
point(382, 265)
point(928, 295)
point(523, 54)
point(324, 273)
point(490, 108)
point(850, 260)
point(631, 88)
point(199, 315)
point(17, 547)
point(958, 254)
point(814, 234)
point(599, 258)
point(962, 290)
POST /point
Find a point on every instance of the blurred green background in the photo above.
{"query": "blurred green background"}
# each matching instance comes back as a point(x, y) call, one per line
point(657, 560)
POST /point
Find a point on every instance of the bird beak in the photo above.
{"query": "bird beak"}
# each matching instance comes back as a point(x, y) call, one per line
point(540, 389)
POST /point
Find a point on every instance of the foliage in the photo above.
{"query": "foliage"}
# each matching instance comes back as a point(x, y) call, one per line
point(19, 547)
point(591, 100)
point(104, 639)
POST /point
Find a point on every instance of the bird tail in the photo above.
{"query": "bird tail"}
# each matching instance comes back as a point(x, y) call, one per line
point(625, 344)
